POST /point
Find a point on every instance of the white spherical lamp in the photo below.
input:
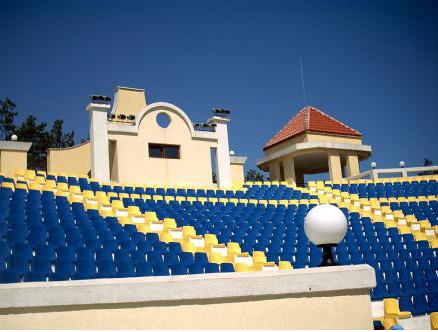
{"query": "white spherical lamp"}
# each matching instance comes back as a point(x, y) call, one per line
point(231, 153)
point(325, 225)
point(14, 137)
point(402, 164)
point(373, 165)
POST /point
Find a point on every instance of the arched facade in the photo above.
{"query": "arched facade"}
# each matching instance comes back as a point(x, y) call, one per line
point(142, 151)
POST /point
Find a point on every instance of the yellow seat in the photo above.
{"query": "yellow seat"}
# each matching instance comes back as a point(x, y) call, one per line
point(116, 204)
point(188, 231)
point(210, 239)
point(134, 210)
point(144, 228)
point(434, 321)
point(284, 265)
point(150, 216)
point(391, 309)
point(233, 248)
point(215, 257)
point(169, 223)
point(259, 257)
point(389, 321)
point(241, 267)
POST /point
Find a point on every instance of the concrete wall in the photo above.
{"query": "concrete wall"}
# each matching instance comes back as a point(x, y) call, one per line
point(237, 174)
point(135, 166)
point(74, 160)
point(128, 101)
point(318, 298)
point(10, 160)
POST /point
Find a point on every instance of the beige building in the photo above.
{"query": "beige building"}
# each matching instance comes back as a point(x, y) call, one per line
point(13, 156)
point(313, 142)
point(157, 144)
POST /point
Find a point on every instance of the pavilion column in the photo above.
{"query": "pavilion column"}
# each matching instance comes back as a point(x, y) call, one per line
point(99, 141)
point(353, 165)
point(289, 170)
point(300, 177)
point(335, 168)
point(274, 170)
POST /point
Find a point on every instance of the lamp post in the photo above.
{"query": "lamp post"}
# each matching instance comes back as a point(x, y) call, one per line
point(325, 226)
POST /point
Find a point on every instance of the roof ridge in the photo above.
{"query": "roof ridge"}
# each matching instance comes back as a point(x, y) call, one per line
point(340, 122)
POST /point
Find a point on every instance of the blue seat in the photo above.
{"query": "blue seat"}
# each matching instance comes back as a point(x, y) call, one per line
point(160, 269)
point(175, 247)
point(23, 250)
point(64, 267)
point(159, 247)
point(227, 267)
point(128, 245)
point(7, 277)
point(64, 253)
point(110, 244)
point(144, 246)
point(41, 265)
point(211, 268)
point(121, 255)
point(35, 276)
point(171, 258)
point(137, 257)
point(433, 302)
point(420, 287)
point(201, 258)
point(153, 257)
point(106, 269)
point(152, 238)
point(420, 305)
point(407, 288)
point(85, 269)
point(178, 269)
point(18, 264)
point(186, 258)
point(196, 269)
point(84, 253)
point(143, 269)
point(103, 255)
point(45, 251)
point(125, 269)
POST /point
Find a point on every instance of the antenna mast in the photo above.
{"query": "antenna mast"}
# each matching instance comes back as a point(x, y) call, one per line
point(302, 82)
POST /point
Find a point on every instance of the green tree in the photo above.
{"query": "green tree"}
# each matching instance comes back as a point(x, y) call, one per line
point(57, 138)
point(31, 131)
point(254, 175)
point(427, 162)
point(7, 118)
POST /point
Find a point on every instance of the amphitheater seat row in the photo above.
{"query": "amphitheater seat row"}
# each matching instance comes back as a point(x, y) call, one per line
point(117, 233)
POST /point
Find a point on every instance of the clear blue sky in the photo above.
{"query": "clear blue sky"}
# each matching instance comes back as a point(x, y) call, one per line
point(371, 64)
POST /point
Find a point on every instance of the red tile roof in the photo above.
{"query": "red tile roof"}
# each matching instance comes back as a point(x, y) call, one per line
point(312, 120)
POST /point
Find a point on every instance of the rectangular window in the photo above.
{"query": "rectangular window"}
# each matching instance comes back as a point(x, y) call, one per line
point(164, 151)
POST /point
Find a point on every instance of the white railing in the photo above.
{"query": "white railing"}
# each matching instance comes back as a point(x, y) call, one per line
point(400, 172)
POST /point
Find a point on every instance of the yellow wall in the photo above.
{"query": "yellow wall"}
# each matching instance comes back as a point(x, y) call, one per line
point(10, 160)
point(129, 101)
point(74, 160)
point(237, 174)
point(332, 138)
point(326, 311)
point(135, 166)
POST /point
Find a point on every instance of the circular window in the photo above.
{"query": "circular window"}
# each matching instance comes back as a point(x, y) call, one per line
point(163, 120)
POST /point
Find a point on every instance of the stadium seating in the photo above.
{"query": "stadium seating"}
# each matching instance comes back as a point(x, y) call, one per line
point(59, 227)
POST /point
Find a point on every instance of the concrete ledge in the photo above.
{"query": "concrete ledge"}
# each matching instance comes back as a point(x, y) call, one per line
point(362, 149)
point(15, 145)
point(344, 279)
point(239, 160)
